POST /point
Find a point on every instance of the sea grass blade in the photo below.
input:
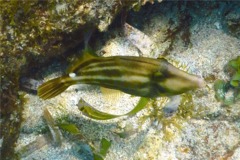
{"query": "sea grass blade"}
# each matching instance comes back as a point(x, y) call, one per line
point(93, 113)
point(141, 104)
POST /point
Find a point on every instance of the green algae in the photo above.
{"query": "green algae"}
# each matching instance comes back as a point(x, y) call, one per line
point(235, 66)
point(71, 128)
point(104, 147)
point(228, 92)
point(93, 152)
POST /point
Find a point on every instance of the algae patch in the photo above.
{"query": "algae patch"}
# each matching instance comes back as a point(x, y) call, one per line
point(172, 125)
point(228, 92)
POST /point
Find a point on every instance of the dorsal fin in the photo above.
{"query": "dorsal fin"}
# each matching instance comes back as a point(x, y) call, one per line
point(87, 54)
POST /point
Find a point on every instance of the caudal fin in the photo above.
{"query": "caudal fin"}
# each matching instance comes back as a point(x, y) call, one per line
point(53, 87)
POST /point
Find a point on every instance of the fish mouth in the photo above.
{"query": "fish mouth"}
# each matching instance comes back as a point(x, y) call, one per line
point(201, 82)
point(178, 81)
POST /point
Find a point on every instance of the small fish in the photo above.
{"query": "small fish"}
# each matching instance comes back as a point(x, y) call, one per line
point(139, 76)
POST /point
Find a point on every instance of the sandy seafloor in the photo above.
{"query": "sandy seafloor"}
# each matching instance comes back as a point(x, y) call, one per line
point(202, 137)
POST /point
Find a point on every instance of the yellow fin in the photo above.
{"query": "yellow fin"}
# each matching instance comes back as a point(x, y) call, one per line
point(54, 87)
point(86, 55)
point(111, 96)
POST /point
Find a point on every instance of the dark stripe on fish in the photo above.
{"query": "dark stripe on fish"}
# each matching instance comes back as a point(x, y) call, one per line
point(117, 60)
point(88, 62)
point(139, 59)
point(117, 71)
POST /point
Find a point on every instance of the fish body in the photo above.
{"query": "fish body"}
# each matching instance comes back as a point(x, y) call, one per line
point(140, 76)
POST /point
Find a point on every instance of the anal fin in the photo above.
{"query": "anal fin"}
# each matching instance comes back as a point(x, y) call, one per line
point(111, 96)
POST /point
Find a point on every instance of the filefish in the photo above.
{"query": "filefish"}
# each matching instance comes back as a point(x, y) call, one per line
point(139, 76)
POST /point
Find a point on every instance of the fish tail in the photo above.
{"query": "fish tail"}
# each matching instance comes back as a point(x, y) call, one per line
point(53, 87)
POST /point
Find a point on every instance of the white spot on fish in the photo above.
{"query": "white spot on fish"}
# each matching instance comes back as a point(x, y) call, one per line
point(72, 75)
